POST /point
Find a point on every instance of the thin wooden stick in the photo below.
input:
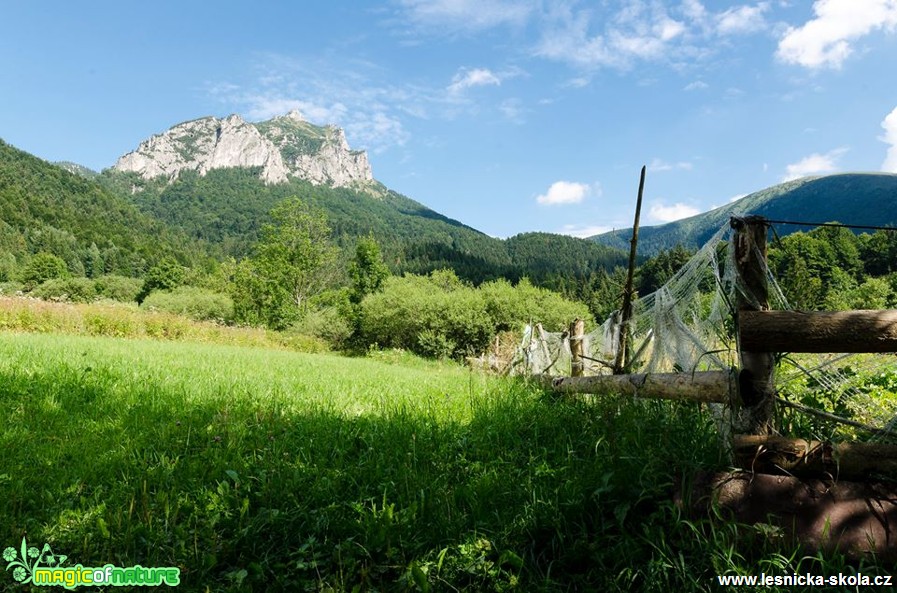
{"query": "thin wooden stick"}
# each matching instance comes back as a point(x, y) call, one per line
point(621, 363)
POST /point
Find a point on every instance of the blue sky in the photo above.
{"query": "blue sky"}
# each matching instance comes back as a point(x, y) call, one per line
point(510, 116)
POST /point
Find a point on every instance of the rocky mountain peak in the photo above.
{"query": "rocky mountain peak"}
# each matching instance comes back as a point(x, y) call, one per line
point(283, 147)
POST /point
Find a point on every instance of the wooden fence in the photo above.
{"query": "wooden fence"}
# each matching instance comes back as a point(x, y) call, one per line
point(750, 389)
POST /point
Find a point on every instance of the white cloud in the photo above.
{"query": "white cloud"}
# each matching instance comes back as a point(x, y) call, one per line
point(825, 40)
point(583, 231)
point(890, 126)
point(355, 98)
point(636, 32)
point(513, 110)
point(466, 15)
point(694, 10)
point(564, 192)
point(742, 19)
point(815, 164)
point(466, 79)
point(698, 85)
point(658, 165)
point(660, 212)
point(262, 106)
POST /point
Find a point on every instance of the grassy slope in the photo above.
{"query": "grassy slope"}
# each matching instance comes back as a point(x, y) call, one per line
point(251, 468)
point(854, 198)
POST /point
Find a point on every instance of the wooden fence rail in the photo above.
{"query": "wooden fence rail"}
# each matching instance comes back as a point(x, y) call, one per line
point(751, 390)
point(704, 386)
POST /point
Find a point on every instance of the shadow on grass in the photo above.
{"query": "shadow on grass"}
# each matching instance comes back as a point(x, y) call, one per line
point(530, 494)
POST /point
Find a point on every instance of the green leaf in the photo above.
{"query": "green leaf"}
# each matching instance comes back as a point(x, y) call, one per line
point(511, 559)
point(420, 577)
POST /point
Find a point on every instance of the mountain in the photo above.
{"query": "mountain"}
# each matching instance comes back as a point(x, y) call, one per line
point(282, 148)
point(851, 198)
point(77, 169)
point(217, 179)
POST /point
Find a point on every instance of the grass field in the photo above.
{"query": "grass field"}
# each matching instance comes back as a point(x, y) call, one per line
point(254, 469)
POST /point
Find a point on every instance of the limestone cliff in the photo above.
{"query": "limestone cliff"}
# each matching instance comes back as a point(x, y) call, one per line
point(283, 147)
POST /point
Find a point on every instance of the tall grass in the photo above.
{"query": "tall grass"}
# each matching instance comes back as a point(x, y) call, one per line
point(254, 469)
point(127, 321)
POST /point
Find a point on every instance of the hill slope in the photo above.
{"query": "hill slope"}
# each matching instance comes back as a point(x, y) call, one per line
point(46, 208)
point(851, 198)
point(225, 208)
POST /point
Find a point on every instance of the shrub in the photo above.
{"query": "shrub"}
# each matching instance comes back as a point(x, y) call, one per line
point(166, 326)
point(327, 324)
point(426, 315)
point(118, 288)
point(197, 303)
point(76, 290)
point(441, 316)
point(435, 344)
point(11, 287)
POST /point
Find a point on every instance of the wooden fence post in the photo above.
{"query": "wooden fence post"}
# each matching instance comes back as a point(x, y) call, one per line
point(756, 381)
point(621, 361)
point(577, 364)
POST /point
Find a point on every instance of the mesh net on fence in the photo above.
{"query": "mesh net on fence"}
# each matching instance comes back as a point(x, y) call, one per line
point(688, 325)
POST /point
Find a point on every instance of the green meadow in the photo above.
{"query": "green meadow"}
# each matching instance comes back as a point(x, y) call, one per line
point(252, 469)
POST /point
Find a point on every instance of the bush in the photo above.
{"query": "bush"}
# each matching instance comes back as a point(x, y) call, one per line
point(512, 307)
point(11, 287)
point(197, 303)
point(118, 288)
point(327, 324)
point(427, 316)
point(76, 290)
point(114, 324)
point(440, 316)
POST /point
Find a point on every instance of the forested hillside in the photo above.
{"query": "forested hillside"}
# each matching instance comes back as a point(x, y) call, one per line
point(225, 210)
point(44, 208)
point(852, 198)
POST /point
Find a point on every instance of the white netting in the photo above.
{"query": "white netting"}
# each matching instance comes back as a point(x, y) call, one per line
point(680, 327)
point(687, 325)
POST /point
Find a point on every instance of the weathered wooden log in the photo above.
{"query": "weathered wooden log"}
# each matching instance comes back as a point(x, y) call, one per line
point(704, 386)
point(818, 331)
point(807, 458)
point(757, 378)
point(577, 351)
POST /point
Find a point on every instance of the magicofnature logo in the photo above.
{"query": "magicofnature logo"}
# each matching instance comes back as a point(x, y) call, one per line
point(43, 568)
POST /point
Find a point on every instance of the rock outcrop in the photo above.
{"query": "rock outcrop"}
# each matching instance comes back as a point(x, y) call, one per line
point(283, 147)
